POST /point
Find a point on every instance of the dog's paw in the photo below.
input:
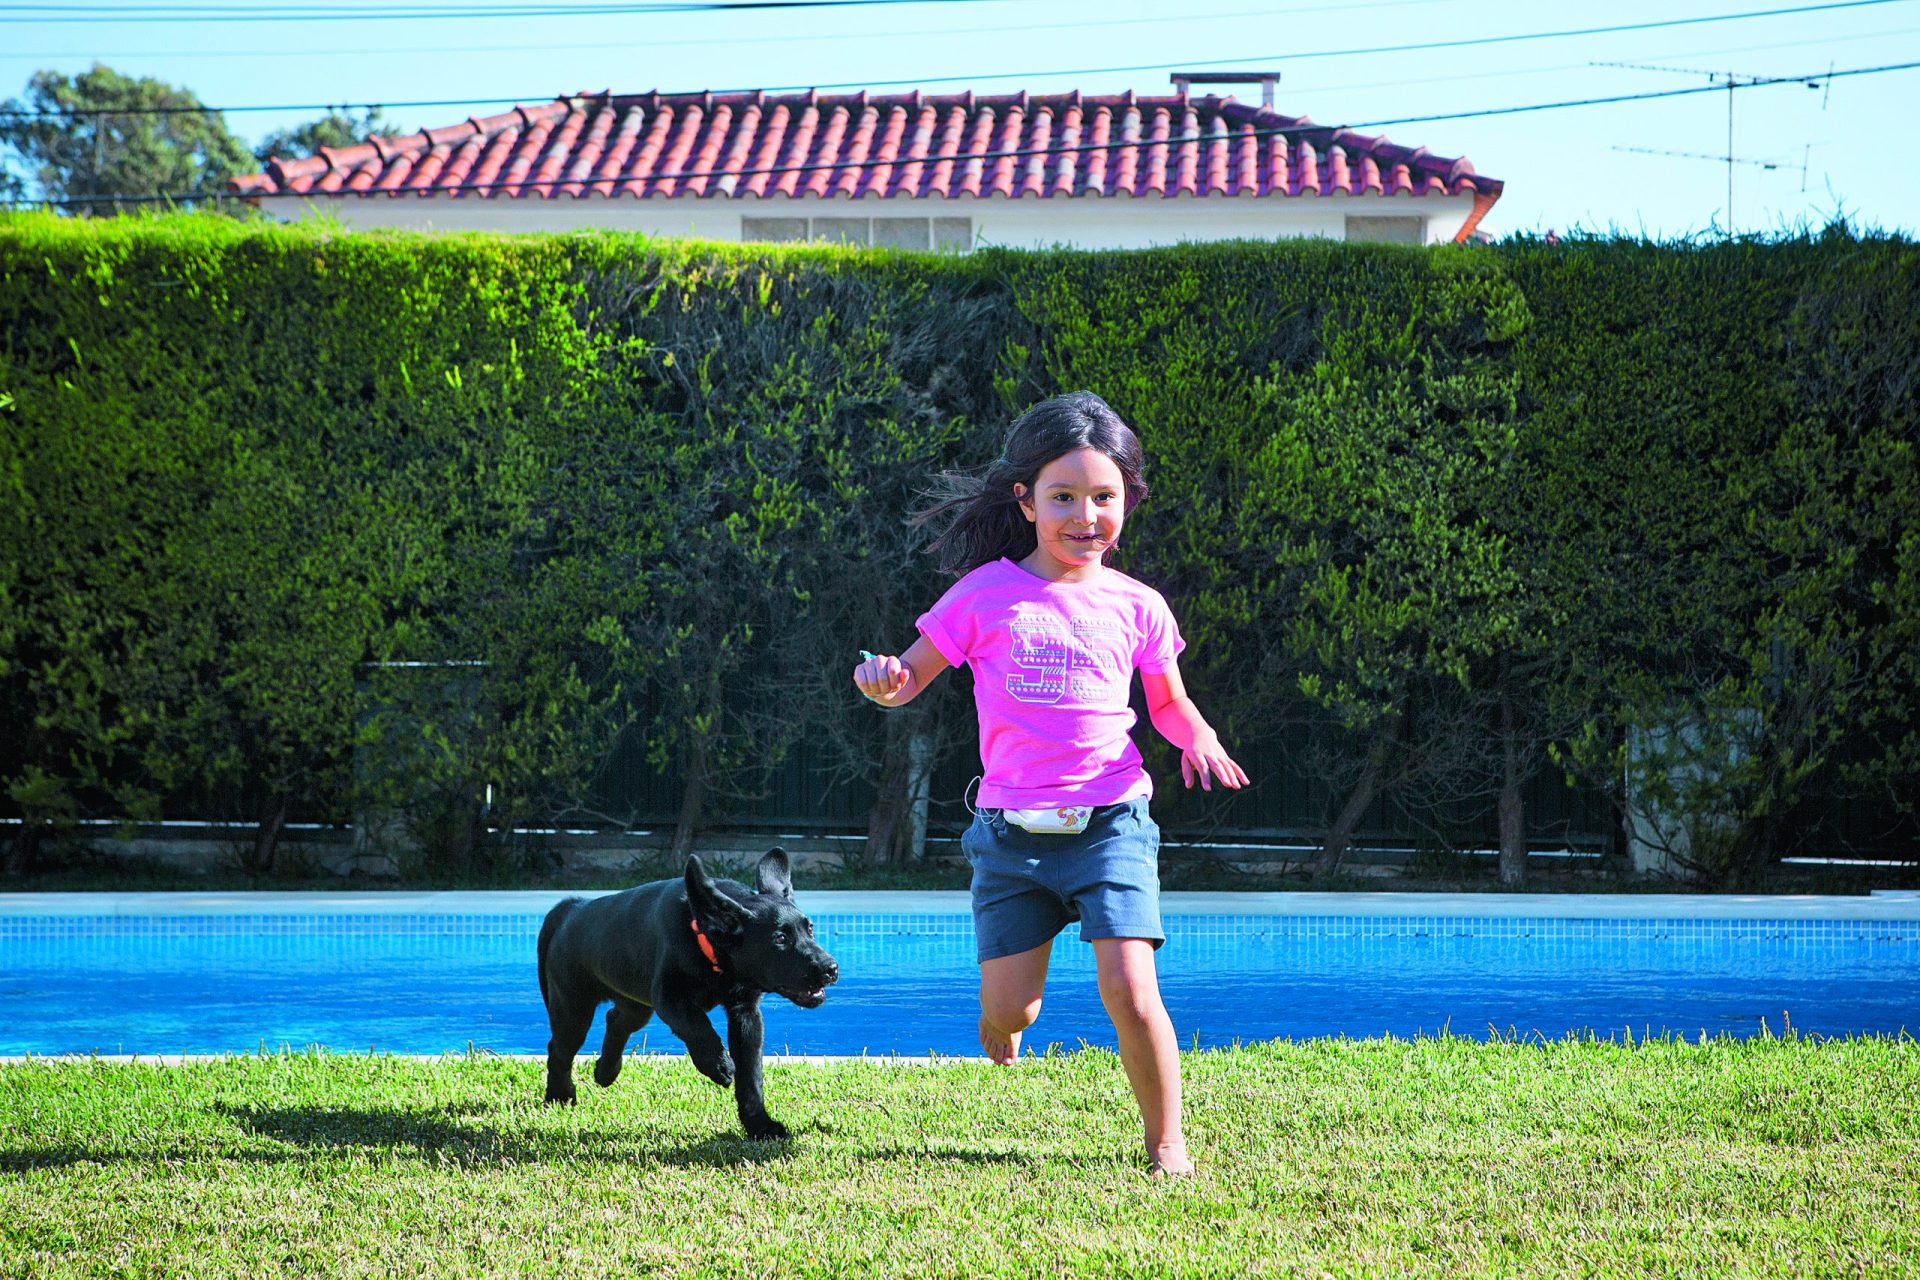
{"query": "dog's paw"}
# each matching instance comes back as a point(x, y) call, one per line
point(606, 1070)
point(560, 1097)
point(765, 1129)
point(720, 1070)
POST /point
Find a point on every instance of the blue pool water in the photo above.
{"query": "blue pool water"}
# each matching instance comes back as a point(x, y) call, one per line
point(432, 983)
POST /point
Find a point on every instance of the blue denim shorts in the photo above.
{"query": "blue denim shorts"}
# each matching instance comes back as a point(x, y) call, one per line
point(1028, 887)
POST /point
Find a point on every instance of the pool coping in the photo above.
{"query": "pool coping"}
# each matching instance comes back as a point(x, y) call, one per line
point(630, 1058)
point(1894, 905)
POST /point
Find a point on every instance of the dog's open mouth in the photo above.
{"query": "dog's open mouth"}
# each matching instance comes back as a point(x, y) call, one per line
point(807, 999)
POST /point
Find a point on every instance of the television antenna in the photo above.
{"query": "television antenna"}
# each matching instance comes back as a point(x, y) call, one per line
point(1761, 162)
point(1734, 81)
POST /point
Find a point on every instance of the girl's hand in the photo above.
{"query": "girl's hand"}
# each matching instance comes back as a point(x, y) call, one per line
point(1206, 760)
point(881, 677)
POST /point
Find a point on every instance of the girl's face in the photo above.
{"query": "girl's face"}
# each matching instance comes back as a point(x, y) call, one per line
point(1077, 505)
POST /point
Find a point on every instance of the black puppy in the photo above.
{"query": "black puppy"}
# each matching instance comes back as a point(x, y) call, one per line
point(678, 948)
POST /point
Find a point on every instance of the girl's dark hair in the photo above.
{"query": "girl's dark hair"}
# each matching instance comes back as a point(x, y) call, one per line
point(986, 520)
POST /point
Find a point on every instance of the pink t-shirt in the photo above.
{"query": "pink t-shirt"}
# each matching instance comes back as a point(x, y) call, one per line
point(1052, 666)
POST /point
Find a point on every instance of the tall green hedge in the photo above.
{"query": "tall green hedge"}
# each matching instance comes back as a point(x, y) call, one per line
point(302, 523)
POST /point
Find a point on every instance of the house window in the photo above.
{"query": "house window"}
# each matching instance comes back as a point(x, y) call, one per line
point(1387, 230)
point(773, 228)
point(945, 235)
point(841, 230)
point(901, 233)
point(953, 235)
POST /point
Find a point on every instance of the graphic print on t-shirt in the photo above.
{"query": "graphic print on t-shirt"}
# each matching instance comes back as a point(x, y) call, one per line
point(1085, 657)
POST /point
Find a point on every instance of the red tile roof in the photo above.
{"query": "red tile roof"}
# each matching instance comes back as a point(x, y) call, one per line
point(881, 145)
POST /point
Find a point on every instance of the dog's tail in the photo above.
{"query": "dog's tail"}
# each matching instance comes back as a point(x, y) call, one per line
point(548, 927)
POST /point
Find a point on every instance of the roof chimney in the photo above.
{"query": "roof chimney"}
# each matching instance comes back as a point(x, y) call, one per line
point(1265, 79)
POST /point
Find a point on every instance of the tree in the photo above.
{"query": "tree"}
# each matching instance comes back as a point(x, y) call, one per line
point(334, 129)
point(199, 554)
point(1181, 343)
point(1733, 490)
point(903, 404)
point(1390, 461)
point(102, 135)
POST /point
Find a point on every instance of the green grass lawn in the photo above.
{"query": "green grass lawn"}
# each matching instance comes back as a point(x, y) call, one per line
point(1434, 1156)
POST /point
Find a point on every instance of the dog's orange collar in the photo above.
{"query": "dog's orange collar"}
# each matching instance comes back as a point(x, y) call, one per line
point(706, 944)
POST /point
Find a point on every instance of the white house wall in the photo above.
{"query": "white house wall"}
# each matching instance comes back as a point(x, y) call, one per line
point(1088, 223)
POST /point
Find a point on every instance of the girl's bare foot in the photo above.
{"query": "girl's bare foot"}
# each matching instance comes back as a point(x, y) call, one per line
point(1001, 1046)
point(1169, 1160)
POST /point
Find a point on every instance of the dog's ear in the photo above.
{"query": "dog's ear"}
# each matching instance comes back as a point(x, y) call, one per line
point(716, 912)
point(776, 874)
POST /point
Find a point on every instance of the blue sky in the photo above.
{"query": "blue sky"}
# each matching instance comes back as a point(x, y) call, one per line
point(1837, 148)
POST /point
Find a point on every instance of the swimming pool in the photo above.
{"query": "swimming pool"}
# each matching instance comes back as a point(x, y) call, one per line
point(429, 973)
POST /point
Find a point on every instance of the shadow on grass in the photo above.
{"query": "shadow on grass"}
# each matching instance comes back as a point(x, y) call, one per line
point(447, 1135)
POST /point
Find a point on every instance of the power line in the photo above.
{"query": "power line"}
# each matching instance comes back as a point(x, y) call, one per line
point(1483, 76)
point(1007, 75)
point(1634, 97)
point(109, 11)
point(1479, 76)
point(186, 13)
point(1021, 153)
point(1185, 18)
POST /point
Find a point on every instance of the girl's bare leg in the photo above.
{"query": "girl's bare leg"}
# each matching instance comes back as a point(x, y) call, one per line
point(1010, 988)
point(1130, 989)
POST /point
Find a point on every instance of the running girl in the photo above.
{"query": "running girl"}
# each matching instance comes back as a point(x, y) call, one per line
point(1061, 831)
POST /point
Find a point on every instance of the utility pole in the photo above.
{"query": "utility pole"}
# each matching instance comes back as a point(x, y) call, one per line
point(1730, 88)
